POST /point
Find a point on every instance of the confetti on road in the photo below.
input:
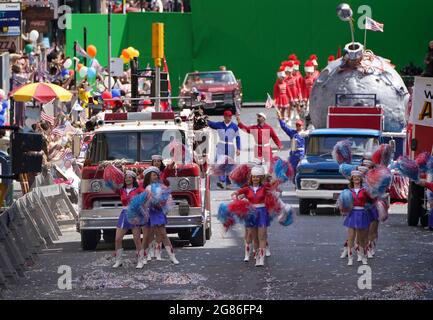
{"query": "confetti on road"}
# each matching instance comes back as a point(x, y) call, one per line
point(403, 291)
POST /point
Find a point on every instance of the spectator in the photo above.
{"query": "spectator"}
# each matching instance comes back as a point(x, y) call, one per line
point(429, 62)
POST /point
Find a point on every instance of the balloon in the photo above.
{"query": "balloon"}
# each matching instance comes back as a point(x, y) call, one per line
point(71, 73)
point(83, 72)
point(106, 95)
point(29, 48)
point(5, 104)
point(106, 82)
point(68, 63)
point(137, 54)
point(115, 93)
point(79, 66)
point(65, 73)
point(91, 72)
point(125, 54)
point(2, 119)
point(92, 51)
point(131, 52)
point(34, 35)
point(2, 111)
point(125, 60)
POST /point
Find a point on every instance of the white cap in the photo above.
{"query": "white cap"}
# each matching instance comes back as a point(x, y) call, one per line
point(258, 171)
point(130, 173)
point(288, 69)
point(156, 157)
point(315, 62)
point(368, 163)
point(281, 74)
point(309, 69)
point(356, 173)
point(296, 67)
point(363, 169)
point(261, 114)
point(152, 169)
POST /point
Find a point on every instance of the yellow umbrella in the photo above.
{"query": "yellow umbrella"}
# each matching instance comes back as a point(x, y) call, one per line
point(42, 92)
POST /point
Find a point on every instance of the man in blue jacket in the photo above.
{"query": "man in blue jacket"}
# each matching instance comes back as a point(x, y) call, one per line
point(298, 152)
point(228, 132)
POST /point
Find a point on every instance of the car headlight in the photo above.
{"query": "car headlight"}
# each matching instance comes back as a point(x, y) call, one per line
point(96, 186)
point(309, 185)
point(183, 184)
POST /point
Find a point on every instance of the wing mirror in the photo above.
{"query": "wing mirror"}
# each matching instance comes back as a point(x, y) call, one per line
point(393, 146)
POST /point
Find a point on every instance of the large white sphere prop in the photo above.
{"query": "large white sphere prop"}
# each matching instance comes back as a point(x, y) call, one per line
point(344, 12)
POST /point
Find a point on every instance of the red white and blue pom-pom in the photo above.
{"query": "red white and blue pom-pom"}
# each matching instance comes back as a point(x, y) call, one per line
point(382, 209)
point(422, 160)
point(136, 213)
point(286, 217)
point(345, 202)
point(283, 171)
point(378, 181)
point(342, 152)
point(240, 175)
point(347, 169)
point(114, 177)
point(408, 168)
point(160, 197)
point(240, 208)
point(383, 155)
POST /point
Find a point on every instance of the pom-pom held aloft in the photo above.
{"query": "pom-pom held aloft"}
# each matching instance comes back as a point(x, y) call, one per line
point(342, 152)
point(113, 177)
point(136, 214)
point(408, 168)
point(240, 175)
point(383, 155)
point(378, 181)
point(283, 171)
point(422, 160)
point(347, 169)
point(345, 202)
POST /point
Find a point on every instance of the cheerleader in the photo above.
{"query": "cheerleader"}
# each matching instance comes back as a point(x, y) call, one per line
point(157, 218)
point(257, 225)
point(282, 94)
point(129, 190)
point(358, 220)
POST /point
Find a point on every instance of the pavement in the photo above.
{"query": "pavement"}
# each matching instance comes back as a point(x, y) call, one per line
point(304, 265)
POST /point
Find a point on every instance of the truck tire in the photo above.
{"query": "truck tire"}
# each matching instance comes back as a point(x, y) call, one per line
point(304, 207)
point(209, 232)
point(184, 234)
point(415, 209)
point(90, 239)
point(109, 236)
point(199, 240)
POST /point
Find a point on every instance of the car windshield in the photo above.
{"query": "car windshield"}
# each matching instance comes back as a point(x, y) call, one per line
point(324, 145)
point(209, 78)
point(132, 146)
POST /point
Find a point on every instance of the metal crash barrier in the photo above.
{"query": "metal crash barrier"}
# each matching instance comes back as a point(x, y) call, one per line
point(28, 227)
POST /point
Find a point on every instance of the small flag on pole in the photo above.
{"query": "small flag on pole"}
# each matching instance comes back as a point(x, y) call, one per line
point(372, 25)
point(269, 102)
point(81, 51)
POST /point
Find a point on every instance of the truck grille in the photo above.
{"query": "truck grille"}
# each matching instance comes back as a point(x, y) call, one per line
point(333, 187)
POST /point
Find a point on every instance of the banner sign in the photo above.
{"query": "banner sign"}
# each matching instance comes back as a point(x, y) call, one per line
point(422, 102)
point(10, 19)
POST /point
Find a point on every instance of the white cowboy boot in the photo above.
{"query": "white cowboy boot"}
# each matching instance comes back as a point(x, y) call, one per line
point(247, 252)
point(364, 256)
point(358, 253)
point(268, 250)
point(142, 259)
point(260, 261)
point(373, 248)
point(369, 251)
point(171, 255)
point(151, 250)
point(158, 249)
point(350, 257)
point(345, 251)
point(119, 261)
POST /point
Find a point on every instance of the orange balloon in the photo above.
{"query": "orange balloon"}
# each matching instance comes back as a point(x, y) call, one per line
point(125, 54)
point(79, 66)
point(92, 51)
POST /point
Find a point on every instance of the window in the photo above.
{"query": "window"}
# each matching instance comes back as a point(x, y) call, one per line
point(324, 145)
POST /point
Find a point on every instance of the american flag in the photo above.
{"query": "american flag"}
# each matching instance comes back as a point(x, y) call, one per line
point(81, 51)
point(59, 130)
point(372, 25)
point(66, 154)
point(47, 118)
point(269, 102)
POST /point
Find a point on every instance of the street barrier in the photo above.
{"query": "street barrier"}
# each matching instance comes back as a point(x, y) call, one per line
point(28, 227)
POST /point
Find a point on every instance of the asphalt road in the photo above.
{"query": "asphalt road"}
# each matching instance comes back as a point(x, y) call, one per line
point(305, 264)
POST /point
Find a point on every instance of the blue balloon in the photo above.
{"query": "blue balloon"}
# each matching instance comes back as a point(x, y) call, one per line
point(2, 119)
point(5, 104)
point(2, 111)
point(91, 73)
point(115, 93)
point(65, 73)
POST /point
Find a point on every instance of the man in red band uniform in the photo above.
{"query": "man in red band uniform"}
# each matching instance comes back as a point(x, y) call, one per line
point(314, 60)
point(262, 133)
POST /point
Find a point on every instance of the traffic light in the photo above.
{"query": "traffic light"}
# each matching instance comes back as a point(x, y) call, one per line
point(26, 152)
point(158, 43)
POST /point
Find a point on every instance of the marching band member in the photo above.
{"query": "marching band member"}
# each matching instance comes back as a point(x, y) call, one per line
point(255, 193)
point(129, 190)
point(263, 133)
point(308, 82)
point(228, 132)
point(293, 86)
point(314, 60)
point(282, 95)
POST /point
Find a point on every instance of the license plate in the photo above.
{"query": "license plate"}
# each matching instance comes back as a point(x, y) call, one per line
point(336, 196)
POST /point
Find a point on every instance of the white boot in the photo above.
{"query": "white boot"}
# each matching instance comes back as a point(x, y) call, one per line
point(359, 253)
point(350, 257)
point(345, 251)
point(119, 261)
point(171, 255)
point(142, 259)
point(260, 260)
point(364, 255)
point(369, 251)
point(151, 251)
point(373, 248)
point(247, 252)
point(268, 251)
point(158, 249)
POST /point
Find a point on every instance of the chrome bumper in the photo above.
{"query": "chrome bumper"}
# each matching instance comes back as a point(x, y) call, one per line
point(317, 194)
point(106, 218)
